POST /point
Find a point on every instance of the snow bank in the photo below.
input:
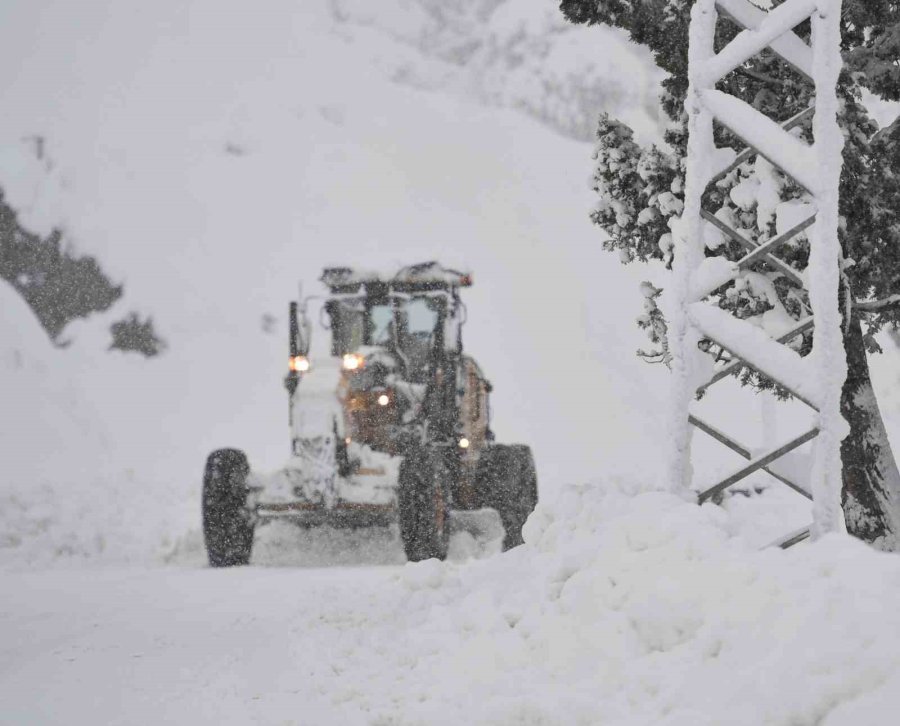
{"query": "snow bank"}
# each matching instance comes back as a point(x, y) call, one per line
point(638, 608)
point(64, 491)
point(623, 608)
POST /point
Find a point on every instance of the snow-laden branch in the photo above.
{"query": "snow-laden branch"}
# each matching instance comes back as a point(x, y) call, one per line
point(873, 306)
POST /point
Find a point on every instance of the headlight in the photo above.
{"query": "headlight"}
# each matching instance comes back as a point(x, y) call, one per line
point(298, 364)
point(463, 443)
point(353, 362)
point(384, 399)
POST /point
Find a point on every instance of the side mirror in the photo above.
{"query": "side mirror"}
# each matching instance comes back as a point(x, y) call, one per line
point(294, 331)
point(299, 330)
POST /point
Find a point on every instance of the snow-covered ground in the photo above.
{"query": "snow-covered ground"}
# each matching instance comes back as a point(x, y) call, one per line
point(213, 156)
point(622, 608)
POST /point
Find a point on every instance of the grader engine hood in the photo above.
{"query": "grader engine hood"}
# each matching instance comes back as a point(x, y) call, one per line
point(358, 393)
point(342, 411)
point(375, 400)
point(315, 405)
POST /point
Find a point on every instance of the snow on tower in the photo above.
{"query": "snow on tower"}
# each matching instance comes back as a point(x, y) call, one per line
point(696, 322)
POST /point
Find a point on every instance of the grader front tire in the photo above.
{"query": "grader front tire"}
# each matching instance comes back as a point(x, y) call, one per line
point(227, 529)
point(424, 506)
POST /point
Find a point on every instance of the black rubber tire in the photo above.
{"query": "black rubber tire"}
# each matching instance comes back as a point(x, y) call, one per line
point(423, 500)
point(227, 528)
point(506, 480)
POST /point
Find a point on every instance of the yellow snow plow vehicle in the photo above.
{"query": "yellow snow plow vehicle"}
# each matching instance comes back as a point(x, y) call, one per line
point(392, 426)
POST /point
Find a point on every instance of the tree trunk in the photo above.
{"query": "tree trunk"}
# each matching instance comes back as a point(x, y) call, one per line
point(871, 481)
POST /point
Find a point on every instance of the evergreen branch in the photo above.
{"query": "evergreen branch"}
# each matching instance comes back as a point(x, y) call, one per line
point(763, 77)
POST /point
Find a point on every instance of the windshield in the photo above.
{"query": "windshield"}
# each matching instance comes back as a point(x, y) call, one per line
point(354, 325)
point(348, 326)
point(420, 316)
point(380, 325)
point(407, 325)
point(417, 323)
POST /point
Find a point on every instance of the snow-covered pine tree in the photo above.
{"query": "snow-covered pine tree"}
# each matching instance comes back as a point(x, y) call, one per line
point(640, 190)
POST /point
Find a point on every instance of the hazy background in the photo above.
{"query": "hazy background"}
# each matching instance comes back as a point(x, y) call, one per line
point(214, 155)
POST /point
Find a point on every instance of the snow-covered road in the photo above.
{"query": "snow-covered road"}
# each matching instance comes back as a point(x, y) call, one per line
point(185, 645)
point(622, 609)
point(284, 641)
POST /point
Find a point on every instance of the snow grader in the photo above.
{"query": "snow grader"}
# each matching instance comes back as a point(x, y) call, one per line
point(392, 427)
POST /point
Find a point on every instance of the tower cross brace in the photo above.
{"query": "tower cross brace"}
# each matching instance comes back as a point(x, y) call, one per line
point(698, 324)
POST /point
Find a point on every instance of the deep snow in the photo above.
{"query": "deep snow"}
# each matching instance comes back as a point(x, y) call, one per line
point(622, 608)
point(213, 156)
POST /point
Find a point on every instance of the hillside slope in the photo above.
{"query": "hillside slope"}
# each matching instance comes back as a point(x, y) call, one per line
point(228, 155)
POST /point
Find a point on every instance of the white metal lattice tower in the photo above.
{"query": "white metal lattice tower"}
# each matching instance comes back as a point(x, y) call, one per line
point(815, 379)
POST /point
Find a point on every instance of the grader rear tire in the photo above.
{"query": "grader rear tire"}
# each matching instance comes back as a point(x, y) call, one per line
point(507, 481)
point(423, 499)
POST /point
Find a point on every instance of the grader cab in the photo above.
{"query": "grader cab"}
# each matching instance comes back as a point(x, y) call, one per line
point(392, 426)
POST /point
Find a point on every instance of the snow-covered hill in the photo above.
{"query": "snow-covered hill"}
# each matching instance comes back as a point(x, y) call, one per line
point(520, 55)
point(228, 155)
point(66, 493)
point(214, 156)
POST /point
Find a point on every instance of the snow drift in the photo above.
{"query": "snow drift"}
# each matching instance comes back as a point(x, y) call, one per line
point(629, 606)
point(64, 492)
